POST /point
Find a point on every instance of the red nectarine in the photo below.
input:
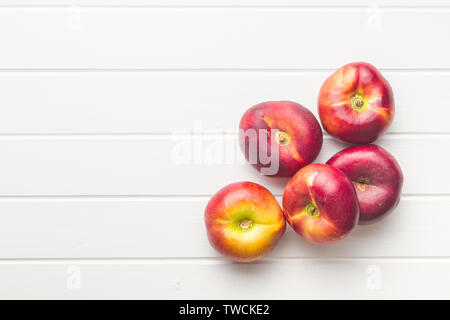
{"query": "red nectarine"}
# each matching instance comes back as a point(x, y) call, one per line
point(320, 204)
point(244, 221)
point(279, 137)
point(377, 177)
point(356, 103)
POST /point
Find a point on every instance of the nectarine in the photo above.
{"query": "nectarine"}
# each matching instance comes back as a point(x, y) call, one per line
point(244, 221)
point(356, 103)
point(320, 204)
point(377, 178)
point(279, 137)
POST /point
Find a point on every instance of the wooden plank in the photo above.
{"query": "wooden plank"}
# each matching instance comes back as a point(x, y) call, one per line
point(197, 279)
point(173, 227)
point(164, 102)
point(227, 3)
point(164, 38)
point(174, 165)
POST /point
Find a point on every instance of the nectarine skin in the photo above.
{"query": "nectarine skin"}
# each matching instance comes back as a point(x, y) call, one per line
point(297, 144)
point(244, 221)
point(320, 204)
point(377, 177)
point(356, 103)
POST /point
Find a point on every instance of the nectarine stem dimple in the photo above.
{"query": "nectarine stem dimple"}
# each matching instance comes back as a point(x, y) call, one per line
point(312, 211)
point(245, 224)
point(357, 102)
point(282, 138)
point(362, 183)
point(363, 180)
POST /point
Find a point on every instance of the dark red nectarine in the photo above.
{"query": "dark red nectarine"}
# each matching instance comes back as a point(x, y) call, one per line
point(377, 178)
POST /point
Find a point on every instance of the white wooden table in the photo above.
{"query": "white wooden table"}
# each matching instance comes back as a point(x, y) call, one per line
point(118, 122)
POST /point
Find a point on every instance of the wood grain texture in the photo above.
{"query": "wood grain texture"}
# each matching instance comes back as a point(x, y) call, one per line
point(164, 102)
point(152, 38)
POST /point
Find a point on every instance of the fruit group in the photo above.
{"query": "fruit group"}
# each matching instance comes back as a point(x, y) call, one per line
point(279, 137)
point(244, 221)
point(356, 103)
point(377, 177)
point(320, 204)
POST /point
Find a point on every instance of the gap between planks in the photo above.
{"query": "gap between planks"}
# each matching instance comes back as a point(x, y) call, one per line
point(208, 134)
point(165, 198)
point(220, 260)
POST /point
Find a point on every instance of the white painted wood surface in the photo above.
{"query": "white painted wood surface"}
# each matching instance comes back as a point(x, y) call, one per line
point(217, 279)
point(222, 38)
point(103, 105)
point(105, 102)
